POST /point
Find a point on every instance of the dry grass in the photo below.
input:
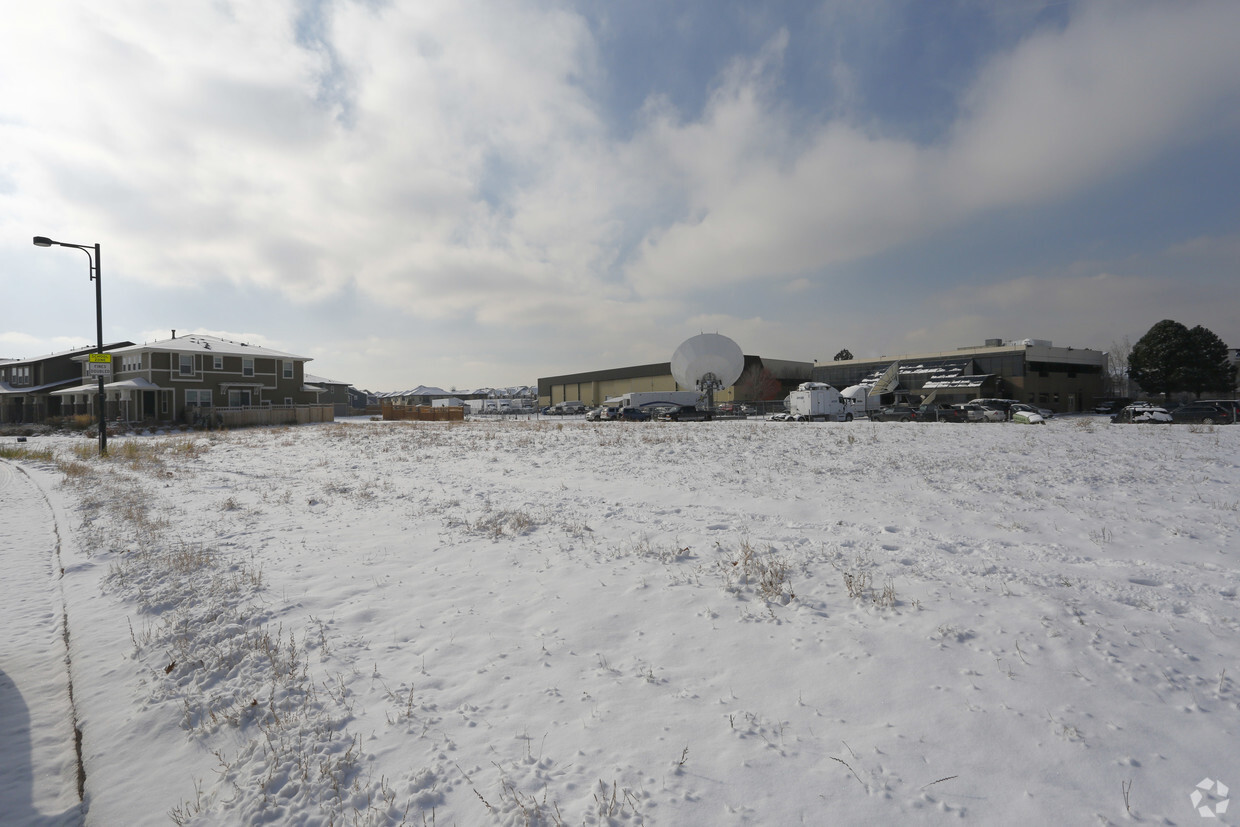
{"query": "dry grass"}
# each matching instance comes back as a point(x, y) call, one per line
point(19, 451)
point(212, 655)
point(767, 574)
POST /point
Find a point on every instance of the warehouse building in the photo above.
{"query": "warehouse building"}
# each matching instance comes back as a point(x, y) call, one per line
point(761, 379)
point(1063, 379)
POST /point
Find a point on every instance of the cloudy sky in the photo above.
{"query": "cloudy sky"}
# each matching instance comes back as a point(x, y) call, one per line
point(482, 193)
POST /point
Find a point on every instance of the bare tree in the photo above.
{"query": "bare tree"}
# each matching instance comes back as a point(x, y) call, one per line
point(1117, 367)
point(756, 384)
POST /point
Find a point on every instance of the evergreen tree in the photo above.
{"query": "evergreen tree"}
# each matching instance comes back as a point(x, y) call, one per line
point(1159, 359)
point(844, 355)
point(1209, 369)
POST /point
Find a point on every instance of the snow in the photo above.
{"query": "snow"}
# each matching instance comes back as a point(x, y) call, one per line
point(545, 622)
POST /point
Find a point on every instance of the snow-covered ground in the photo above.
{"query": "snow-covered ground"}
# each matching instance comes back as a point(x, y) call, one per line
point(682, 624)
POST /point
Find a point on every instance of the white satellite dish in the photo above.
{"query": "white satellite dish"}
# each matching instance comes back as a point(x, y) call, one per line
point(708, 362)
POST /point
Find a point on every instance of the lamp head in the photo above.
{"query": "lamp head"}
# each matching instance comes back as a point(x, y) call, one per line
point(41, 241)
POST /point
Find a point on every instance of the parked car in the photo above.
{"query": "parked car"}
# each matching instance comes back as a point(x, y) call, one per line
point(631, 414)
point(1207, 413)
point(1112, 406)
point(1142, 412)
point(600, 413)
point(1027, 418)
point(685, 413)
point(980, 413)
point(1045, 413)
point(1004, 405)
point(941, 413)
point(894, 413)
point(1232, 405)
point(781, 416)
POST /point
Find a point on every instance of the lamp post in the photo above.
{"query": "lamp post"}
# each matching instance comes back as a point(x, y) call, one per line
point(41, 241)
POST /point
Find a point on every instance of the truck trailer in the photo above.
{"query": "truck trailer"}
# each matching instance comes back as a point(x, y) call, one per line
point(650, 399)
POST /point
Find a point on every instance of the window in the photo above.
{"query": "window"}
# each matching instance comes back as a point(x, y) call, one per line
point(201, 399)
point(288, 370)
point(131, 363)
point(187, 364)
point(247, 367)
point(288, 400)
point(217, 363)
point(239, 398)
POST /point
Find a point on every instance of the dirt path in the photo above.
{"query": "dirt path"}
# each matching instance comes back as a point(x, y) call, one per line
point(39, 779)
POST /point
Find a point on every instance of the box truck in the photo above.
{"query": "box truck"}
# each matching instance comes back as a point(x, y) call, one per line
point(818, 402)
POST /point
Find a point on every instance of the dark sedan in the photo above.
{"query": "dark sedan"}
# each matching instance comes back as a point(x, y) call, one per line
point(631, 414)
point(685, 413)
point(1206, 413)
point(941, 413)
point(894, 413)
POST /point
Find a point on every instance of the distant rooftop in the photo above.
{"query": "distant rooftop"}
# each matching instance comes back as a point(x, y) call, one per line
point(203, 343)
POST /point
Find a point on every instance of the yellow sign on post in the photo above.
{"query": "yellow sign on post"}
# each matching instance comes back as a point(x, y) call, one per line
point(99, 365)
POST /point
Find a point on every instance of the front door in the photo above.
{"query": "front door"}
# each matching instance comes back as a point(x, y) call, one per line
point(148, 404)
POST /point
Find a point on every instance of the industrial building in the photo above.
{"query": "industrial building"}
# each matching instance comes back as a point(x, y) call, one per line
point(1064, 379)
point(773, 377)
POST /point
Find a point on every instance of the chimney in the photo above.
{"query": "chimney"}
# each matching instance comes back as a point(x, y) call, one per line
point(174, 333)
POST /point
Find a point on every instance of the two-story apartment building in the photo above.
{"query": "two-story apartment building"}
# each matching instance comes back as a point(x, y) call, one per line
point(180, 378)
point(27, 385)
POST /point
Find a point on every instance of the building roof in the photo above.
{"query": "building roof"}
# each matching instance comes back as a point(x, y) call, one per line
point(123, 385)
point(7, 389)
point(420, 390)
point(322, 380)
point(202, 343)
point(73, 353)
point(1031, 348)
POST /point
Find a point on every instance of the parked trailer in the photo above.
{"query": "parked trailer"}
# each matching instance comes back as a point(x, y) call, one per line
point(647, 399)
point(818, 402)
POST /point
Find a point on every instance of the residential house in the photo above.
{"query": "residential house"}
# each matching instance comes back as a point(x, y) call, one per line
point(27, 385)
point(331, 393)
point(182, 378)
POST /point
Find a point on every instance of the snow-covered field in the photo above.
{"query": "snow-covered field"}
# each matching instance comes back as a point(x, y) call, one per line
point(679, 624)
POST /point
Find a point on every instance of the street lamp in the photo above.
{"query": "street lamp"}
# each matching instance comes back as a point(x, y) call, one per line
point(41, 241)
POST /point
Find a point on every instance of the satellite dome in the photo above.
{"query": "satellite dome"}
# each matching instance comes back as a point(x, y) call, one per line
point(709, 359)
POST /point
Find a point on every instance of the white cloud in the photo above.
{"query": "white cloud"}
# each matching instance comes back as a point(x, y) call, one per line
point(449, 160)
point(1063, 111)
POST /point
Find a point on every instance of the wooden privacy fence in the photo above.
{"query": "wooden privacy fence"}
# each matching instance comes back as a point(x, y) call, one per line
point(424, 413)
point(273, 415)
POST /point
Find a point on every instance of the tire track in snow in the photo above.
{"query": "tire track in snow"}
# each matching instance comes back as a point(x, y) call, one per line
point(23, 492)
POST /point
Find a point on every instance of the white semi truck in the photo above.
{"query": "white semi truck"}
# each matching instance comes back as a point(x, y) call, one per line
point(860, 402)
point(818, 402)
